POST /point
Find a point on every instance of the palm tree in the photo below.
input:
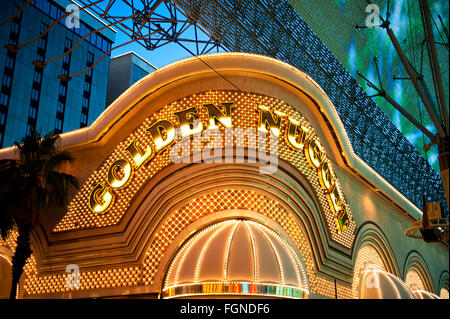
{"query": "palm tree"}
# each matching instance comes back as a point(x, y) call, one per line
point(29, 186)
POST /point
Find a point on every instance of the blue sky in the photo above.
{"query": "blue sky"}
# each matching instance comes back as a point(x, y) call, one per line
point(160, 57)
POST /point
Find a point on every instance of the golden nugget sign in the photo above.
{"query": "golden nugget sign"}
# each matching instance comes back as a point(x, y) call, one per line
point(163, 134)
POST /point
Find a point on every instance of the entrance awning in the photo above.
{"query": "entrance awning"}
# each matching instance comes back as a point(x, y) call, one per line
point(378, 284)
point(236, 258)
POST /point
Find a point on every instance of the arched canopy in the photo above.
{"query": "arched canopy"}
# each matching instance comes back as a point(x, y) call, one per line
point(236, 257)
point(379, 284)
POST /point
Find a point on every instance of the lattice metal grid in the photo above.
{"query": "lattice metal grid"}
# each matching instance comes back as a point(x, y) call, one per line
point(273, 28)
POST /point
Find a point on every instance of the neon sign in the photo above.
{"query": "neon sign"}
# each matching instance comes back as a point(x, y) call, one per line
point(163, 133)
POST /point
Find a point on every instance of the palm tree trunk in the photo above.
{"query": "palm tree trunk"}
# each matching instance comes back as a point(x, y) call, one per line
point(22, 253)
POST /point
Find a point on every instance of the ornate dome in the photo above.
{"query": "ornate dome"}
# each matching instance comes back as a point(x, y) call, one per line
point(378, 284)
point(236, 257)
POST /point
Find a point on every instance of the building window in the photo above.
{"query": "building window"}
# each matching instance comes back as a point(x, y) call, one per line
point(43, 5)
point(8, 72)
point(28, 130)
point(67, 44)
point(41, 43)
point(37, 80)
point(87, 86)
point(87, 90)
point(89, 73)
point(83, 120)
point(58, 125)
point(6, 80)
point(54, 11)
point(90, 59)
point(9, 62)
point(34, 94)
point(66, 59)
point(4, 98)
point(85, 102)
point(32, 112)
point(37, 77)
point(62, 90)
point(44, 27)
point(15, 27)
point(60, 107)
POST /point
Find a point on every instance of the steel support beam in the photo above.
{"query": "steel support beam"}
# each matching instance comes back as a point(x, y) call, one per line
point(434, 63)
point(419, 84)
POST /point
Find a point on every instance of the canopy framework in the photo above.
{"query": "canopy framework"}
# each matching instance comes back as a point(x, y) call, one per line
point(154, 23)
point(273, 28)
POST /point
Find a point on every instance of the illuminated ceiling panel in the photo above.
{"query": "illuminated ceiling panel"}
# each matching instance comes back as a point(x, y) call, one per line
point(356, 48)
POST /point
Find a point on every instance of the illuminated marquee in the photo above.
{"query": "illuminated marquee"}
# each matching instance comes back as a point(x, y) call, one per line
point(219, 115)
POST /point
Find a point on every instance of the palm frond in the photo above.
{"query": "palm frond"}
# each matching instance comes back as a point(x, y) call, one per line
point(28, 187)
point(6, 219)
point(49, 144)
point(60, 185)
point(59, 159)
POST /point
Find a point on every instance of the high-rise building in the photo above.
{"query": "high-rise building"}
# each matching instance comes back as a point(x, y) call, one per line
point(33, 96)
point(125, 70)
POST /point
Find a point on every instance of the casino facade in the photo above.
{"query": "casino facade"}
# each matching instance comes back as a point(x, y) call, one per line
point(185, 194)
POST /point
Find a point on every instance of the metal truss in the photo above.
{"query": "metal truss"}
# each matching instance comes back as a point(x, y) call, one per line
point(273, 28)
point(151, 23)
point(154, 23)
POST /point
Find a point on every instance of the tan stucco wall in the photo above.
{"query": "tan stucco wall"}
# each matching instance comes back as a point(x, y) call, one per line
point(368, 205)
